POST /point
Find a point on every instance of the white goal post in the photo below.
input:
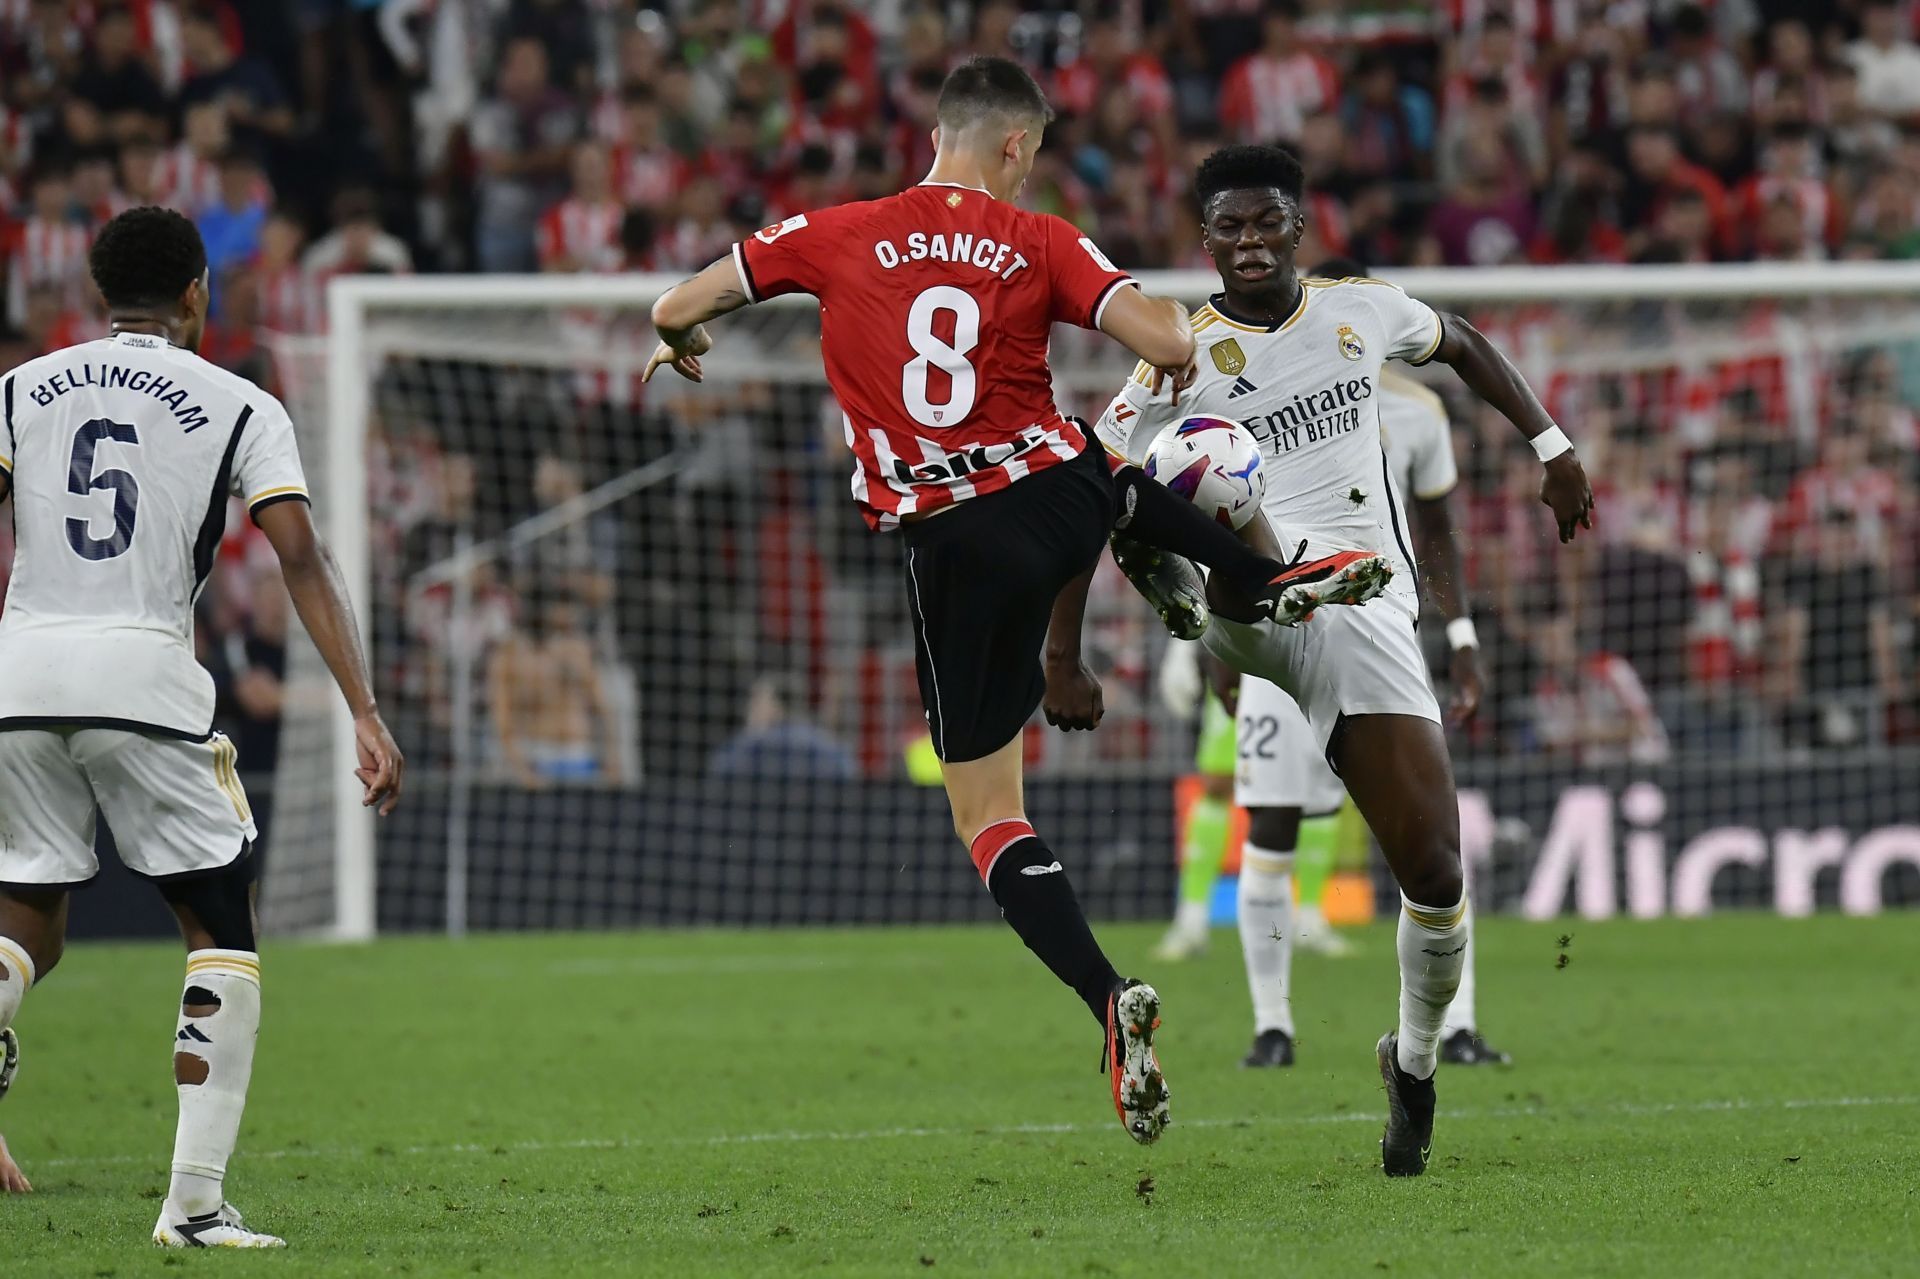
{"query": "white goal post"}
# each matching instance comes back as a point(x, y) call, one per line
point(332, 396)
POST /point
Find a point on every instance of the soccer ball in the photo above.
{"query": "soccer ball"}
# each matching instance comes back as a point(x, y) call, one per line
point(1213, 463)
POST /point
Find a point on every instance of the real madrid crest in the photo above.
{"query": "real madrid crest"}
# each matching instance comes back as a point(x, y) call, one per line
point(1350, 344)
point(1229, 358)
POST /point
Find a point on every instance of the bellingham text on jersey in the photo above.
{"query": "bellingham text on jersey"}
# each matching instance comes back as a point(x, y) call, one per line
point(110, 376)
point(1315, 416)
point(962, 247)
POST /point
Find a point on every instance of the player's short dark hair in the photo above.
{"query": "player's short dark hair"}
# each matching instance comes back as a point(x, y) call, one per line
point(146, 257)
point(1340, 268)
point(1241, 167)
point(985, 88)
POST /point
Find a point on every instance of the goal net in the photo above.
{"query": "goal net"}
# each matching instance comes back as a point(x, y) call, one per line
point(650, 668)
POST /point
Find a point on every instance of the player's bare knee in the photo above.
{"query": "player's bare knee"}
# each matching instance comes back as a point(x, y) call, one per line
point(1277, 829)
point(216, 910)
point(1435, 879)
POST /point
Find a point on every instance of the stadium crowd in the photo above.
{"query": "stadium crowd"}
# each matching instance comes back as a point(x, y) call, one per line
point(1760, 515)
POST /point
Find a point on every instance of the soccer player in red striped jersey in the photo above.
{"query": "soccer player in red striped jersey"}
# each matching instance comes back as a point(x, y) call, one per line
point(936, 305)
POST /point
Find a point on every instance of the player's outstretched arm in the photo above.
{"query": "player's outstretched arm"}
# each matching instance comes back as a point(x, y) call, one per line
point(320, 597)
point(1493, 377)
point(681, 314)
point(1439, 554)
point(1157, 330)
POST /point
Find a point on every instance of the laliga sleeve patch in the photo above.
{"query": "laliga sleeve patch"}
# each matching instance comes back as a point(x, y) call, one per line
point(1093, 251)
point(767, 235)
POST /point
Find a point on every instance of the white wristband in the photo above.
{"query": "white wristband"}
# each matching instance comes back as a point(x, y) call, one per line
point(1460, 634)
point(1551, 443)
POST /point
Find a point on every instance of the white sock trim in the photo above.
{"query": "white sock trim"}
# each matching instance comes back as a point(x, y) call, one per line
point(244, 964)
point(1271, 861)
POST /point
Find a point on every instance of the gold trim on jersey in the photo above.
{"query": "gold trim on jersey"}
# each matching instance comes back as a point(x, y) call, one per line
point(1222, 318)
point(1439, 336)
point(6, 464)
point(1327, 282)
point(226, 776)
point(283, 491)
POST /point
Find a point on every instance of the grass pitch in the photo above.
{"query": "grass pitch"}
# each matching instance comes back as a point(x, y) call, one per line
point(1727, 1096)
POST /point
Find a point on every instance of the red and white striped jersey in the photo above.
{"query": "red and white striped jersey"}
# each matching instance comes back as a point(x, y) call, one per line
point(1724, 634)
point(689, 246)
point(1265, 99)
point(576, 236)
point(185, 180)
point(1077, 86)
point(44, 254)
point(936, 306)
point(649, 178)
point(292, 301)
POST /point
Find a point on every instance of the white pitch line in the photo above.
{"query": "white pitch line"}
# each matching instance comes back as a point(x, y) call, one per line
point(1005, 1130)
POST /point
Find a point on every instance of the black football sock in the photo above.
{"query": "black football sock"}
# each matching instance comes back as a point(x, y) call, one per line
point(1034, 895)
point(1150, 512)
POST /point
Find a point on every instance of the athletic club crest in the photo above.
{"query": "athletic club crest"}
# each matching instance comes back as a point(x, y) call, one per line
point(1350, 344)
point(1230, 359)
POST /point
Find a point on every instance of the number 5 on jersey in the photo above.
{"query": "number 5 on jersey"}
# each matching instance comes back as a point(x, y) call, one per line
point(82, 482)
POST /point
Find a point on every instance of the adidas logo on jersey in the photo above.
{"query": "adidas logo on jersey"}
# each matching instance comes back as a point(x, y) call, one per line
point(1241, 386)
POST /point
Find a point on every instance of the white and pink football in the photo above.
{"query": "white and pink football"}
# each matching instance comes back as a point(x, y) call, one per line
point(1214, 463)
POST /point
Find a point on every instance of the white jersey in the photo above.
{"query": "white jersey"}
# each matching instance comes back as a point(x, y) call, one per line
point(122, 454)
point(1417, 438)
point(1310, 391)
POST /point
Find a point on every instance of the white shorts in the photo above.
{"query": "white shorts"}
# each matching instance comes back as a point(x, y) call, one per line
point(175, 807)
point(1348, 659)
point(1280, 764)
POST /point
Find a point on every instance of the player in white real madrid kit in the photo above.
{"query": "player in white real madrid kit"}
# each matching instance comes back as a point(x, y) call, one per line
point(120, 456)
point(1284, 782)
point(1299, 364)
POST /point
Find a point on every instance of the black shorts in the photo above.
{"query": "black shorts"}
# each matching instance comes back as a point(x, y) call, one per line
point(981, 581)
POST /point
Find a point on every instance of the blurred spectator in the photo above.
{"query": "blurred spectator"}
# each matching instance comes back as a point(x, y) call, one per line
point(1592, 708)
point(255, 660)
point(243, 85)
point(231, 225)
point(1485, 219)
point(1269, 94)
point(1790, 178)
point(520, 137)
point(1843, 485)
point(1109, 59)
point(1389, 125)
point(1488, 118)
point(1709, 78)
point(47, 251)
point(551, 719)
point(188, 175)
point(778, 743)
point(582, 232)
point(702, 232)
point(357, 243)
point(117, 82)
point(290, 297)
point(1656, 173)
point(1835, 641)
point(582, 556)
point(1589, 92)
point(1887, 59)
